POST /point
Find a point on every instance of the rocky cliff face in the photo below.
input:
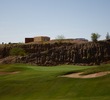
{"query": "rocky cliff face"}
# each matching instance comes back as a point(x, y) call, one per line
point(62, 53)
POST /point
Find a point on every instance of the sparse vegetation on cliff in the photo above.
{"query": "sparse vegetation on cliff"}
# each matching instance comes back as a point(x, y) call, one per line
point(16, 51)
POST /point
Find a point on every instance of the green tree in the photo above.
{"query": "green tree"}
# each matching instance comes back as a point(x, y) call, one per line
point(17, 51)
point(95, 36)
point(107, 36)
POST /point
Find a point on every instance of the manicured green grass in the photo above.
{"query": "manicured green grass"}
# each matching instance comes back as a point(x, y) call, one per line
point(44, 83)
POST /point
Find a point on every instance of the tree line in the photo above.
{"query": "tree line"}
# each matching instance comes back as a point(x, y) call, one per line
point(96, 36)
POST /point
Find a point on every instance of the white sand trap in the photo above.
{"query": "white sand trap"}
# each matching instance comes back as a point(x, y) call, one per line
point(78, 75)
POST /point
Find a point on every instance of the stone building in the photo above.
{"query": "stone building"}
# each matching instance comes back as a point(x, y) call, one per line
point(37, 39)
point(27, 40)
point(41, 38)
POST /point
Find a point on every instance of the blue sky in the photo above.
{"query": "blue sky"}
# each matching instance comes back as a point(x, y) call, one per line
point(71, 18)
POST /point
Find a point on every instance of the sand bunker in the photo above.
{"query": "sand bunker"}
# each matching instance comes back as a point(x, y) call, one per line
point(8, 73)
point(78, 75)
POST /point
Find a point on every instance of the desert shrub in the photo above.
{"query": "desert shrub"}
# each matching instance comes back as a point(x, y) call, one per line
point(60, 37)
point(17, 51)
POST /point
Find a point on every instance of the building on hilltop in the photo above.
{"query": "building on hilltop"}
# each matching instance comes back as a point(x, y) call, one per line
point(81, 39)
point(27, 40)
point(41, 38)
point(37, 39)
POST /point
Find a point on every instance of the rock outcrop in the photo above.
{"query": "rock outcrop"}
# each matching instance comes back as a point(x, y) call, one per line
point(62, 53)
